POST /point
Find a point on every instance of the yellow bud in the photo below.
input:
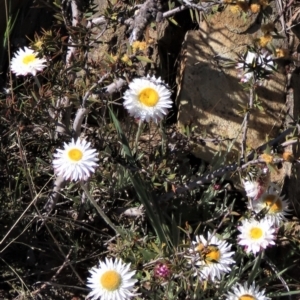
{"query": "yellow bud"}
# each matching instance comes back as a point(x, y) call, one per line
point(142, 46)
point(125, 58)
point(135, 46)
point(282, 53)
point(267, 158)
point(38, 44)
point(255, 8)
point(235, 8)
point(264, 40)
point(287, 156)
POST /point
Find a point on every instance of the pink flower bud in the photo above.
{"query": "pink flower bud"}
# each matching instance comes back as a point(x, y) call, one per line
point(162, 270)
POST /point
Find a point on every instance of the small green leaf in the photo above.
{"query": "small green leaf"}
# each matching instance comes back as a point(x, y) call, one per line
point(173, 21)
point(172, 176)
point(144, 59)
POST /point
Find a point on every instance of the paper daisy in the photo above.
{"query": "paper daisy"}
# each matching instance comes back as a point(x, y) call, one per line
point(249, 292)
point(111, 280)
point(256, 235)
point(255, 65)
point(26, 62)
point(76, 161)
point(245, 73)
point(147, 99)
point(275, 208)
point(211, 256)
point(257, 182)
point(253, 189)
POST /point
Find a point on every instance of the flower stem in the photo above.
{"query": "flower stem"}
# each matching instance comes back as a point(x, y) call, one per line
point(99, 210)
point(37, 81)
point(138, 134)
point(163, 137)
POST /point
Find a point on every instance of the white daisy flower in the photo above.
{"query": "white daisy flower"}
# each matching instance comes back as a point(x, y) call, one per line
point(111, 280)
point(254, 62)
point(257, 182)
point(247, 75)
point(211, 256)
point(147, 98)
point(26, 62)
point(76, 161)
point(253, 189)
point(249, 292)
point(256, 235)
point(275, 208)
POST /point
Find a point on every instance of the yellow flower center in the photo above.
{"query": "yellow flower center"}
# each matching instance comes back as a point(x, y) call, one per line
point(199, 247)
point(256, 233)
point(274, 203)
point(75, 154)
point(213, 255)
point(149, 97)
point(246, 297)
point(28, 59)
point(111, 280)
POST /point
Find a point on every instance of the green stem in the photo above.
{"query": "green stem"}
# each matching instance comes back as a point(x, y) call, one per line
point(99, 210)
point(37, 81)
point(138, 134)
point(163, 137)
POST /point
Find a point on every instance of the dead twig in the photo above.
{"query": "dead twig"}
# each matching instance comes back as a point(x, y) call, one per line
point(216, 174)
point(56, 274)
point(149, 11)
point(174, 11)
point(281, 10)
point(245, 123)
point(199, 7)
